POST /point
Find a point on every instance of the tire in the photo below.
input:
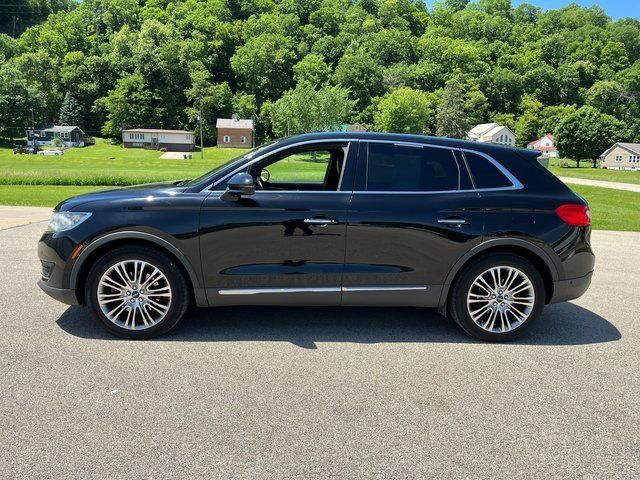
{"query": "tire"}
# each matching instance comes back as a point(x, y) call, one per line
point(516, 308)
point(137, 313)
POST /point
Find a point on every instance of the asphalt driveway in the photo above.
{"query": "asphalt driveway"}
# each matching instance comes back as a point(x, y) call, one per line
point(320, 393)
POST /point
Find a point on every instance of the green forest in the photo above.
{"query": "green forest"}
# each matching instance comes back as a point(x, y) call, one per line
point(307, 65)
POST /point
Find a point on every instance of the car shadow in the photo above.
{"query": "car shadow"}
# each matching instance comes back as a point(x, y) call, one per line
point(561, 324)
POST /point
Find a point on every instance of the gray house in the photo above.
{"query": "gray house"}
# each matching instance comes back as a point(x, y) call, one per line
point(71, 136)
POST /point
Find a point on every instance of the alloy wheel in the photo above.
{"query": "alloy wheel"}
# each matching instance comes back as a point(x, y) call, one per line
point(134, 294)
point(501, 299)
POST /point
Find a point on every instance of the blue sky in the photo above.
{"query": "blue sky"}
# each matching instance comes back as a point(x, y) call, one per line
point(614, 8)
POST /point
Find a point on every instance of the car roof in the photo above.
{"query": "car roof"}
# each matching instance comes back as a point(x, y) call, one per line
point(404, 137)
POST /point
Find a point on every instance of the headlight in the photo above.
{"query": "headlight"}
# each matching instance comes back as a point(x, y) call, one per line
point(61, 221)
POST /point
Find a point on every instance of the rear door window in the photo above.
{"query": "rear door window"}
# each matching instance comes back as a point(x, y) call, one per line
point(485, 174)
point(406, 168)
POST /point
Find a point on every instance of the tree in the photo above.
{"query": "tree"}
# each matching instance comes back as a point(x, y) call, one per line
point(264, 65)
point(306, 109)
point(208, 100)
point(406, 110)
point(17, 97)
point(312, 69)
point(70, 113)
point(528, 125)
point(244, 104)
point(129, 104)
point(552, 116)
point(359, 72)
point(452, 117)
point(606, 95)
point(588, 132)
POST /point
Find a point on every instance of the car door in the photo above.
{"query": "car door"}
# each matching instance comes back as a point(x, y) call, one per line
point(413, 214)
point(284, 244)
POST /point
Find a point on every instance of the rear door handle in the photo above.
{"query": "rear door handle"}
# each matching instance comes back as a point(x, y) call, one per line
point(452, 222)
point(320, 222)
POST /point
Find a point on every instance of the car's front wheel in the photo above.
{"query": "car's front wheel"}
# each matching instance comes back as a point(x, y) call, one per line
point(137, 292)
point(497, 297)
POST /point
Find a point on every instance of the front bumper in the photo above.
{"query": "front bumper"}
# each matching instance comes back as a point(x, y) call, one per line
point(570, 289)
point(64, 295)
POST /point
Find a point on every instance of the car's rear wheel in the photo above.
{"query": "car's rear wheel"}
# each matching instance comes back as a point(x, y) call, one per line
point(497, 297)
point(137, 292)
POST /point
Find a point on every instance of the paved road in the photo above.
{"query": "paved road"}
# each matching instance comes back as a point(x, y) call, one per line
point(320, 393)
point(630, 187)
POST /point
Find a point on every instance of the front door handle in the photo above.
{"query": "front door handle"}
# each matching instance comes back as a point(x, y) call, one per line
point(320, 222)
point(453, 222)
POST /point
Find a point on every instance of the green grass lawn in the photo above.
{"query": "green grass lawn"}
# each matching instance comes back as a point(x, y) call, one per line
point(105, 164)
point(40, 195)
point(587, 171)
point(611, 209)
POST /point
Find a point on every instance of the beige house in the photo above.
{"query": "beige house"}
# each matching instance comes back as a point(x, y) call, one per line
point(621, 156)
point(492, 133)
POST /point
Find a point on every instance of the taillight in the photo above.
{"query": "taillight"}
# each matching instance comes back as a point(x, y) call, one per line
point(575, 214)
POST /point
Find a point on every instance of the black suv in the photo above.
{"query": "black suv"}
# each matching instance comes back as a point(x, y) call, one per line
point(482, 232)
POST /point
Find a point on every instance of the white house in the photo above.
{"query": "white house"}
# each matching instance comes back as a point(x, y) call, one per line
point(492, 133)
point(155, 139)
point(545, 144)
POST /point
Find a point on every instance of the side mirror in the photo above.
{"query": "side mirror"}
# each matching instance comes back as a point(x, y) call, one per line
point(241, 184)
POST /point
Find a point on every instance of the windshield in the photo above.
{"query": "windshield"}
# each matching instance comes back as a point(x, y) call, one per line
point(231, 164)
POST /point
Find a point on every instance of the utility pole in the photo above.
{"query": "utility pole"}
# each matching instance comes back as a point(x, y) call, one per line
point(254, 120)
point(15, 21)
point(33, 128)
point(201, 139)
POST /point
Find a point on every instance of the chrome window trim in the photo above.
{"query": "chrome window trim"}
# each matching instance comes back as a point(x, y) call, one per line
point(515, 183)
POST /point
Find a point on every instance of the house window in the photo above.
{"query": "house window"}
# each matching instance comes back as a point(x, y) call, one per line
point(618, 158)
point(225, 139)
point(64, 135)
point(634, 158)
point(243, 139)
point(43, 134)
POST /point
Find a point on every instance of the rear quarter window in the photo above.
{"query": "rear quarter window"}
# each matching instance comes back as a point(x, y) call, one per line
point(485, 174)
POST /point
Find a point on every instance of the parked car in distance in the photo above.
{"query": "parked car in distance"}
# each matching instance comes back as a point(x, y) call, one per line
point(30, 150)
point(481, 232)
point(55, 151)
point(18, 149)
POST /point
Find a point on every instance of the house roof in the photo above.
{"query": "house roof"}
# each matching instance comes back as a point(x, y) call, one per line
point(630, 147)
point(487, 130)
point(232, 123)
point(482, 129)
point(154, 130)
point(58, 128)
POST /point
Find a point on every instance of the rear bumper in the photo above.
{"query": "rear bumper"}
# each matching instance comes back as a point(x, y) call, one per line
point(564, 290)
point(64, 295)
